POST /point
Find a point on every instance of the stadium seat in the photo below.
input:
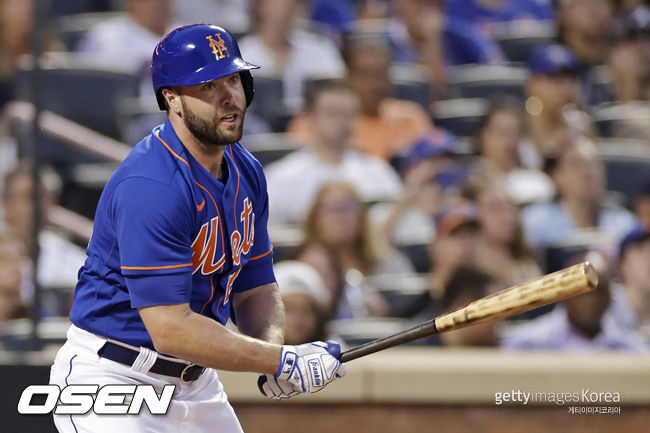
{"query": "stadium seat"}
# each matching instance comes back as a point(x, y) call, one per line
point(85, 92)
point(16, 335)
point(597, 85)
point(461, 116)
point(410, 83)
point(517, 42)
point(69, 29)
point(629, 120)
point(627, 165)
point(486, 81)
point(285, 239)
point(268, 148)
point(418, 254)
point(73, 7)
point(355, 332)
point(269, 94)
point(403, 293)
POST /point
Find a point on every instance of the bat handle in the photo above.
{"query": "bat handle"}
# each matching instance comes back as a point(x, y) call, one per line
point(422, 330)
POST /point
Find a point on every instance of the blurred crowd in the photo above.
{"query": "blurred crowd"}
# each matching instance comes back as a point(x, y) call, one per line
point(419, 154)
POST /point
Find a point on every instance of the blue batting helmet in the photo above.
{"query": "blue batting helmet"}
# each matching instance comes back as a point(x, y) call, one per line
point(195, 54)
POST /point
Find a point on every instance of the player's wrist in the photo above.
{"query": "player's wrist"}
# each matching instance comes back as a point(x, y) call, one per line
point(288, 359)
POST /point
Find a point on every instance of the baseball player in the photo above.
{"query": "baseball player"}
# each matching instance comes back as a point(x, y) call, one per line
point(180, 245)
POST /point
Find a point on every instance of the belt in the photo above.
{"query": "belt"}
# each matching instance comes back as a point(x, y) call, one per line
point(124, 355)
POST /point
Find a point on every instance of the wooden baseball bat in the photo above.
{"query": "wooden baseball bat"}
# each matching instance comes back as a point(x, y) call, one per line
point(554, 287)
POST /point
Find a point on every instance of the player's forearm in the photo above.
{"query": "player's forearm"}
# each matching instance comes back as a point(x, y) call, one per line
point(260, 313)
point(182, 333)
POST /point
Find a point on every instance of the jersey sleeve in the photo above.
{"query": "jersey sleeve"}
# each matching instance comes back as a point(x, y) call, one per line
point(258, 271)
point(152, 224)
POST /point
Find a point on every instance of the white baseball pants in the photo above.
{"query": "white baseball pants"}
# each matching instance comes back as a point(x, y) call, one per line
point(196, 407)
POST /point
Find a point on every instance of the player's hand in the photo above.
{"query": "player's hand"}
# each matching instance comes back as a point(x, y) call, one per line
point(306, 368)
point(276, 389)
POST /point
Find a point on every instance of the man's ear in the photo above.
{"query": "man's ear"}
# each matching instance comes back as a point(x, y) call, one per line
point(173, 99)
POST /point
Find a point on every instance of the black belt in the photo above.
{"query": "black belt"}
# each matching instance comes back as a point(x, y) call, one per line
point(124, 355)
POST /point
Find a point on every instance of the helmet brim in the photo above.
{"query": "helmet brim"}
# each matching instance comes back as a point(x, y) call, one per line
point(213, 72)
point(209, 73)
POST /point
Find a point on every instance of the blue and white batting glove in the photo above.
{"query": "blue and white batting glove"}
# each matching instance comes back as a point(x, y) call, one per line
point(306, 368)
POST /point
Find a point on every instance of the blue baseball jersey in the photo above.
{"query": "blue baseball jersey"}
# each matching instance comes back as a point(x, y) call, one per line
point(168, 232)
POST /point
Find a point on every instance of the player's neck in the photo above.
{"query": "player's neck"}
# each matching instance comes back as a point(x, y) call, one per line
point(210, 156)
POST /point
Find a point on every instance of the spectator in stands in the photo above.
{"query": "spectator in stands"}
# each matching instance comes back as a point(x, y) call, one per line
point(630, 56)
point(128, 40)
point(457, 232)
point(368, 10)
point(287, 52)
point(333, 18)
point(630, 67)
point(306, 301)
point(586, 28)
point(501, 249)
point(16, 24)
point(634, 272)
point(500, 141)
point(465, 285)
point(641, 206)
point(420, 33)
point(11, 261)
point(492, 15)
point(234, 14)
point(339, 242)
point(59, 259)
point(578, 323)
point(431, 179)
point(293, 181)
point(580, 205)
point(553, 118)
point(16, 37)
point(387, 125)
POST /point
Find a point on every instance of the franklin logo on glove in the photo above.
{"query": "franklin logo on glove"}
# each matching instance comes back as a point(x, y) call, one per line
point(316, 372)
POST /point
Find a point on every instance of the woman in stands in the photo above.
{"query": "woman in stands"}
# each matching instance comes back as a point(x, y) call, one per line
point(501, 249)
point(338, 243)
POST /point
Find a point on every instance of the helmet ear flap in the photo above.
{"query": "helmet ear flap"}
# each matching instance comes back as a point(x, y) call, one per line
point(247, 83)
point(161, 99)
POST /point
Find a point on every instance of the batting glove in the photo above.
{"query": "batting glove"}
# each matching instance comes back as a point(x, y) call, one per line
point(306, 368)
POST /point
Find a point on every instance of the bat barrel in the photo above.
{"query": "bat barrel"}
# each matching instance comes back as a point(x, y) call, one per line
point(554, 287)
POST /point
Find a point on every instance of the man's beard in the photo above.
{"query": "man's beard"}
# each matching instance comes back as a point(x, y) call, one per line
point(207, 131)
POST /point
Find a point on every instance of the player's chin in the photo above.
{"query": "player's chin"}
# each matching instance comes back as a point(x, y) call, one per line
point(232, 130)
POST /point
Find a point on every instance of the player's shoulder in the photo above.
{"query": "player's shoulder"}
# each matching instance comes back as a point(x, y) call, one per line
point(245, 159)
point(151, 162)
point(249, 167)
point(240, 151)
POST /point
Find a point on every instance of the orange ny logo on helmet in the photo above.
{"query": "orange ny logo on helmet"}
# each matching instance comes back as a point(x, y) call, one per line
point(218, 46)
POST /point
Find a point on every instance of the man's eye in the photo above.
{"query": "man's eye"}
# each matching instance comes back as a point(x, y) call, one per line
point(234, 79)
